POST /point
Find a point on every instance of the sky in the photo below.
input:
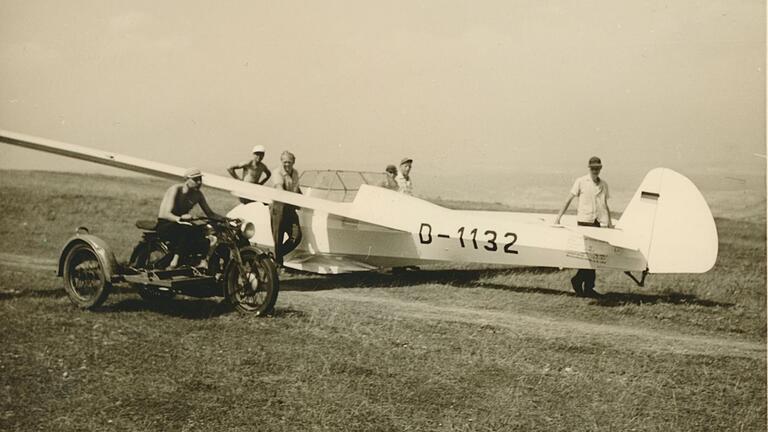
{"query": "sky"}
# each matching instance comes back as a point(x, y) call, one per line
point(465, 88)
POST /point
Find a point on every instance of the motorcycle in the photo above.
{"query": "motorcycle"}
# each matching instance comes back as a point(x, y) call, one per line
point(243, 274)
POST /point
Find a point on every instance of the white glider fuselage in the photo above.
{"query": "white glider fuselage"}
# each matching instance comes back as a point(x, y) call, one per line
point(421, 233)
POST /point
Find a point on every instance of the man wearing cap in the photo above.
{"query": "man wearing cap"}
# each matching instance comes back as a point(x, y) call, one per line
point(173, 217)
point(593, 210)
point(389, 182)
point(253, 170)
point(403, 178)
point(285, 219)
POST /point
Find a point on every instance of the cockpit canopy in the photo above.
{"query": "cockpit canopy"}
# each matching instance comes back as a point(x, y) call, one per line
point(337, 185)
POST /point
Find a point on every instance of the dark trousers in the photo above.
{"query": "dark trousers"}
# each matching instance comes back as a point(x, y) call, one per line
point(285, 220)
point(585, 278)
point(184, 239)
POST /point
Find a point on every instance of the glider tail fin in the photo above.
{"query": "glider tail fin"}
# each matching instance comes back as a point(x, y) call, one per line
point(671, 223)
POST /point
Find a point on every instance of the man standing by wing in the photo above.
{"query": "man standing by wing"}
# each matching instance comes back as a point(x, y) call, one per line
point(173, 217)
point(592, 192)
point(285, 219)
point(254, 170)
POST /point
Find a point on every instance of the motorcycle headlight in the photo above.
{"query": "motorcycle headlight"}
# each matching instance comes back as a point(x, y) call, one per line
point(248, 229)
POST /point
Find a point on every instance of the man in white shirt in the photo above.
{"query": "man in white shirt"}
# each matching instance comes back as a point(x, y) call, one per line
point(285, 219)
point(593, 194)
point(403, 178)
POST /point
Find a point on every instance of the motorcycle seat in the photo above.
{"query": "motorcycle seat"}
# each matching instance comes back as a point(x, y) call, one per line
point(147, 225)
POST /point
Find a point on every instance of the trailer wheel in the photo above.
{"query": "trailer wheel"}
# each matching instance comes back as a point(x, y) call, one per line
point(84, 278)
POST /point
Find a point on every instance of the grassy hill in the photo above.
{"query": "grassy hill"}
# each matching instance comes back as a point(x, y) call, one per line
point(448, 348)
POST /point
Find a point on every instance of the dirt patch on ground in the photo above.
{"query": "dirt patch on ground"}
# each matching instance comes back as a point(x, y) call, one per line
point(550, 327)
point(28, 262)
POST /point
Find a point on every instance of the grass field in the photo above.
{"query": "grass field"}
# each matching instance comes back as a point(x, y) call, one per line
point(460, 349)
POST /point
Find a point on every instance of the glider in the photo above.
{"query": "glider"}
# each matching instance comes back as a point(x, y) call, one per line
point(667, 227)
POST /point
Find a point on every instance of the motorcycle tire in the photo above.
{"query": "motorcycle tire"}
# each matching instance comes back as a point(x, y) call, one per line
point(255, 292)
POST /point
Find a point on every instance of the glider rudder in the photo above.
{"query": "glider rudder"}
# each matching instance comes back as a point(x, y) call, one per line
point(671, 223)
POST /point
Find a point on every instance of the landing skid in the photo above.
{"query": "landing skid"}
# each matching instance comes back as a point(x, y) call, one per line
point(641, 282)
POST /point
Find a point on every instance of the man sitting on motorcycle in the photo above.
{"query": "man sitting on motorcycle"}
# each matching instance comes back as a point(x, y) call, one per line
point(173, 222)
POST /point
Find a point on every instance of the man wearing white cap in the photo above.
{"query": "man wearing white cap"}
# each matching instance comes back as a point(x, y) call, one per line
point(592, 193)
point(285, 219)
point(403, 178)
point(254, 170)
point(173, 217)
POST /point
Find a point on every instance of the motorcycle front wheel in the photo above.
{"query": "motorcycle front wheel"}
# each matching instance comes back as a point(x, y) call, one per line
point(254, 290)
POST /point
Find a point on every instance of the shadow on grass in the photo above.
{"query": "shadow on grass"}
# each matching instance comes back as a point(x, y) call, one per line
point(287, 312)
point(612, 299)
point(52, 293)
point(175, 307)
point(299, 281)
point(473, 278)
point(457, 278)
point(191, 308)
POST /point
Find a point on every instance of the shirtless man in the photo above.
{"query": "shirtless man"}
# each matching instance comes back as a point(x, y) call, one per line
point(173, 218)
point(253, 170)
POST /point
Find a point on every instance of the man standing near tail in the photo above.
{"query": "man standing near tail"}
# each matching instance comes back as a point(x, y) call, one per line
point(592, 192)
point(254, 170)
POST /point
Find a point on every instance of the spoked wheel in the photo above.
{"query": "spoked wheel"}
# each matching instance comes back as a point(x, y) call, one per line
point(151, 255)
point(84, 278)
point(254, 290)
